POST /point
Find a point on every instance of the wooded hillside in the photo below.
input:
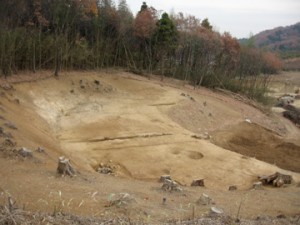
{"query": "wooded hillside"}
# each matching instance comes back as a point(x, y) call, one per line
point(93, 34)
point(285, 40)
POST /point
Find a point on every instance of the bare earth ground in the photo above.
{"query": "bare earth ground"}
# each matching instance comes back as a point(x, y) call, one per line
point(145, 129)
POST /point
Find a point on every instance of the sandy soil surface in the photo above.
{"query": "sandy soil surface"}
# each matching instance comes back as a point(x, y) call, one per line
point(143, 129)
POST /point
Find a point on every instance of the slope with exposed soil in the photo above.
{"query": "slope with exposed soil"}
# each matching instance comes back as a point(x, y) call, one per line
point(143, 128)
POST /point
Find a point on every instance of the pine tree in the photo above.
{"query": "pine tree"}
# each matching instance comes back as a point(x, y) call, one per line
point(165, 39)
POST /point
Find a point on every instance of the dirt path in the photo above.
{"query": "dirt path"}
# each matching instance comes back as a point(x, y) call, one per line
point(144, 128)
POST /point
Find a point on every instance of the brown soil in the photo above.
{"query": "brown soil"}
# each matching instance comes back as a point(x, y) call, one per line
point(258, 142)
point(143, 129)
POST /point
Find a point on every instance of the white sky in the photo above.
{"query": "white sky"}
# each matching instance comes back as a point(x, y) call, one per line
point(239, 17)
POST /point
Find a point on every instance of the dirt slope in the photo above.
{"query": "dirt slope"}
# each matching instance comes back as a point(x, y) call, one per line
point(142, 127)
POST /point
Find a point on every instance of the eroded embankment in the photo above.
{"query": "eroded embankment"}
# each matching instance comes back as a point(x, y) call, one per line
point(252, 140)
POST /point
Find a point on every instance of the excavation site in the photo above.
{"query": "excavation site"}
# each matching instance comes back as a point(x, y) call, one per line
point(111, 144)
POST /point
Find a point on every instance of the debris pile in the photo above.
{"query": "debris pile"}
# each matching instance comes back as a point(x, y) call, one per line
point(285, 100)
point(107, 168)
point(25, 152)
point(291, 112)
point(4, 134)
point(276, 179)
point(169, 184)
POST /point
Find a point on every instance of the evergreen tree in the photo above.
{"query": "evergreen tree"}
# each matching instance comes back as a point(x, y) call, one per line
point(206, 24)
point(144, 7)
point(165, 39)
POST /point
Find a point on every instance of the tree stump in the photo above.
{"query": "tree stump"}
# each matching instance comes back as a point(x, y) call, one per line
point(232, 188)
point(64, 167)
point(198, 182)
point(165, 177)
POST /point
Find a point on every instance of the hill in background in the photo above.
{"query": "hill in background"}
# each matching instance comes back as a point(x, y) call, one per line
point(284, 40)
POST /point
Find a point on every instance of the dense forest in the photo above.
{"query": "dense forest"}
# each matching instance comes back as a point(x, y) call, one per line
point(94, 34)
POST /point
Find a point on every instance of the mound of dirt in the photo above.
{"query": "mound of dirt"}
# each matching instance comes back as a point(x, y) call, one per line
point(252, 140)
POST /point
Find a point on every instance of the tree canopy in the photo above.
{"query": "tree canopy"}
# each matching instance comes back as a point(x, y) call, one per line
point(92, 34)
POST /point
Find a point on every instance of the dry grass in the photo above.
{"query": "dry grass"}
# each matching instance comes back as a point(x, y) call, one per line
point(15, 216)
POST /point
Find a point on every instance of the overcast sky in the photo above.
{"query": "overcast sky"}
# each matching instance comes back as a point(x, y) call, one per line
point(239, 17)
